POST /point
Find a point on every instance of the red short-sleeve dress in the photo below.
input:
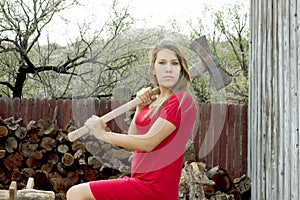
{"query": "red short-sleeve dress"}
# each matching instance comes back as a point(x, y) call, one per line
point(155, 175)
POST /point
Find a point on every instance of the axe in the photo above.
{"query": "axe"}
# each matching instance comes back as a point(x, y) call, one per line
point(209, 63)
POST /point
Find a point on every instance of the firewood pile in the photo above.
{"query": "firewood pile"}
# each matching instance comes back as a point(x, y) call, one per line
point(198, 183)
point(42, 151)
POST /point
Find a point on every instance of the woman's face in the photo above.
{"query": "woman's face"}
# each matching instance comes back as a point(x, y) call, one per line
point(167, 68)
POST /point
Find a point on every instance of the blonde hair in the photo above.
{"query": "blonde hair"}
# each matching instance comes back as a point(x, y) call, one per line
point(184, 78)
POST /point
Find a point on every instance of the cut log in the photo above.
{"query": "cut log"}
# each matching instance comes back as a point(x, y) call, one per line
point(47, 127)
point(95, 162)
point(53, 159)
point(11, 144)
point(3, 131)
point(47, 167)
point(40, 178)
point(28, 172)
point(61, 185)
point(27, 149)
point(48, 143)
point(243, 184)
point(35, 135)
point(2, 152)
point(21, 133)
point(91, 174)
point(18, 176)
point(32, 163)
point(5, 176)
point(67, 159)
point(73, 177)
point(13, 161)
point(195, 178)
point(62, 148)
point(93, 147)
point(12, 124)
point(39, 154)
point(121, 154)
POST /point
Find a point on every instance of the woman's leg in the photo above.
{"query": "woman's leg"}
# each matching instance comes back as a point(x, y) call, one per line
point(80, 192)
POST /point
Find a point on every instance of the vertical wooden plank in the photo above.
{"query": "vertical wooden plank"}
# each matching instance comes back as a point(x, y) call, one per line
point(51, 103)
point(223, 144)
point(16, 108)
point(76, 109)
point(30, 108)
point(281, 175)
point(293, 84)
point(45, 110)
point(297, 20)
point(37, 109)
point(205, 122)
point(216, 137)
point(8, 108)
point(23, 111)
point(2, 107)
point(287, 120)
point(237, 142)
point(67, 112)
point(60, 113)
point(230, 139)
point(244, 139)
point(202, 130)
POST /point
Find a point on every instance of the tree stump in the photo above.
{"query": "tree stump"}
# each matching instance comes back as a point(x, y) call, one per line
point(25, 194)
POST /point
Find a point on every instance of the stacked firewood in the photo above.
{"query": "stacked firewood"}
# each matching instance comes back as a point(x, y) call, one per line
point(42, 151)
point(198, 183)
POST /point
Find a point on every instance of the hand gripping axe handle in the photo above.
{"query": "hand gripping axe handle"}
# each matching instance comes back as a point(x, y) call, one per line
point(74, 135)
point(209, 63)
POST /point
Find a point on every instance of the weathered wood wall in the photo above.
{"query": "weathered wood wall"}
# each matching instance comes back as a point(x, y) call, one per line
point(224, 125)
point(274, 100)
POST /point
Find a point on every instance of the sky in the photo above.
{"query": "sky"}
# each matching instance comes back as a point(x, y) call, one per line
point(147, 13)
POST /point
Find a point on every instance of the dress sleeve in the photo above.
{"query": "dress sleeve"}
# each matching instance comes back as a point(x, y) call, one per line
point(175, 107)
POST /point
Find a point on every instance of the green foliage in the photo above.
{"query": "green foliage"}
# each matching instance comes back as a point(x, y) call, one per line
point(115, 55)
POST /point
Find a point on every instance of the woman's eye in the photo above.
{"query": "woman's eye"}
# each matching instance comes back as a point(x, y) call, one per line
point(175, 63)
point(161, 62)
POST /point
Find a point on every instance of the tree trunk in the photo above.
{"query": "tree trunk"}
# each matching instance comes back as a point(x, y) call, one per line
point(20, 80)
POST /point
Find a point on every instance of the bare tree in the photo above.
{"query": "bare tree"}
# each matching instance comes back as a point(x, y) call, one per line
point(23, 59)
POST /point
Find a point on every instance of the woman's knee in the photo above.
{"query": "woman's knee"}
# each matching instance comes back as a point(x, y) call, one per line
point(71, 193)
point(80, 192)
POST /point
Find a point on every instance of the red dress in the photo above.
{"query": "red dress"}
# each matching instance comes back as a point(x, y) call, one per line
point(155, 175)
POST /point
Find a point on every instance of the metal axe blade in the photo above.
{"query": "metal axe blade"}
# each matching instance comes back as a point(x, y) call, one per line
point(210, 63)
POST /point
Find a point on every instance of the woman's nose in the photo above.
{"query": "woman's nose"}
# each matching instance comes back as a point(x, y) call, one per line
point(169, 67)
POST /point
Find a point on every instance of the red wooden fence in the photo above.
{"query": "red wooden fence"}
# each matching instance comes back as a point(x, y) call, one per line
point(223, 126)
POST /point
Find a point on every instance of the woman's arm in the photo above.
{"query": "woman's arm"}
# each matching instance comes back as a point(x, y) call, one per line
point(160, 130)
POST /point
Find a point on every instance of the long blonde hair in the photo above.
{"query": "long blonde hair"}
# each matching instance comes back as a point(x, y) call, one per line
point(184, 78)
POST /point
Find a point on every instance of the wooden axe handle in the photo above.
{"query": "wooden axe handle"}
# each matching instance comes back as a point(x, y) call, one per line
point(74, 135)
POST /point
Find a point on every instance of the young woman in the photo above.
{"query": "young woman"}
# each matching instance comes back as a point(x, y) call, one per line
point(158, 134)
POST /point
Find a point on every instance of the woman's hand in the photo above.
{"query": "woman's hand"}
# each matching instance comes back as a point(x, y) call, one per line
point(145, 95)
point(96, 127)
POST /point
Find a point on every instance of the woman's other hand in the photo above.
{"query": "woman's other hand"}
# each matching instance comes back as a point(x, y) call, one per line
point(96, 127)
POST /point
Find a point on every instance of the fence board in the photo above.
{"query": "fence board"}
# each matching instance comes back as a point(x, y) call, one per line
point(229, 151)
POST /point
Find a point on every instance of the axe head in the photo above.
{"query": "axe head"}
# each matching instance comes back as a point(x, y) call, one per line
point(220, 78)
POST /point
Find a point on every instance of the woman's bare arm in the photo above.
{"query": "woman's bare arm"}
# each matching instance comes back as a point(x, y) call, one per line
point(160, 130)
